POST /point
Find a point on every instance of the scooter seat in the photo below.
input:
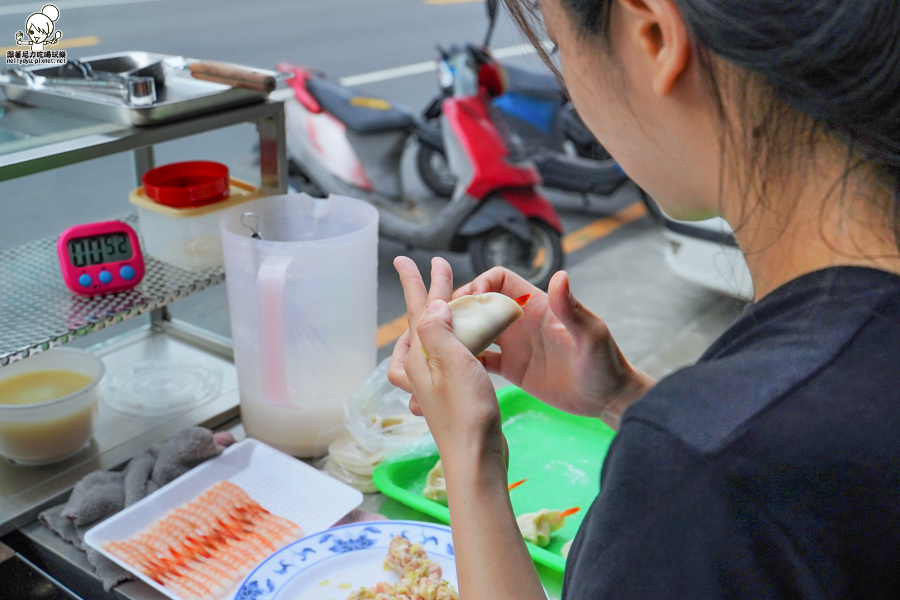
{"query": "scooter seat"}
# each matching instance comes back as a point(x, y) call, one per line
point(359, 114)
point(532, 84)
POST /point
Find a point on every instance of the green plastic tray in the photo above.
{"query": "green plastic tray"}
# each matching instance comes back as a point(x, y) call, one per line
point(560, 455)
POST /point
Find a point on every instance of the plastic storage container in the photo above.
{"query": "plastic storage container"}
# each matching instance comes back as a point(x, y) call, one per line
point(50, 431)
point(187, 238)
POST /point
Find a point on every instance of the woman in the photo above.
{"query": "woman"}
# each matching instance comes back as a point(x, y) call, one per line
point(771, 468)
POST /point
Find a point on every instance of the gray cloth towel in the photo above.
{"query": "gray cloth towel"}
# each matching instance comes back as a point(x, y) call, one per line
point(102, 494)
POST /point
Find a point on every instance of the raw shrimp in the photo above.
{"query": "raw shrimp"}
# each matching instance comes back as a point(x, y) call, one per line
point(201, 549)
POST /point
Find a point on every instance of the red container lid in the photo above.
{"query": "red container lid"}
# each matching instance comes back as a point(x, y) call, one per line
point(187, 184)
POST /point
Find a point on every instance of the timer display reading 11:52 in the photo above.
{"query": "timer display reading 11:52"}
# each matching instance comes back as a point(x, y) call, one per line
point(98, 249)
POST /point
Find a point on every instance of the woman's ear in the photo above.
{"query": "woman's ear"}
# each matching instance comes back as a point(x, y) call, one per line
point(659, 31)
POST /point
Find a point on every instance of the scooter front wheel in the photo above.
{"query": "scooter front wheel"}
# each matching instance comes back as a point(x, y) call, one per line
point(536, 260)
point(435, 172)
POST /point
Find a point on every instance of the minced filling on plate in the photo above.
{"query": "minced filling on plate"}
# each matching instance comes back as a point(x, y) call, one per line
point(420, 577)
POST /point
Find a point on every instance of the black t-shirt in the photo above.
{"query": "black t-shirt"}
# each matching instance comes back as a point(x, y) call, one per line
point(769, 469)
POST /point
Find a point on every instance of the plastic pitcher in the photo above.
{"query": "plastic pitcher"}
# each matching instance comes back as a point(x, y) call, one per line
point(302, 300)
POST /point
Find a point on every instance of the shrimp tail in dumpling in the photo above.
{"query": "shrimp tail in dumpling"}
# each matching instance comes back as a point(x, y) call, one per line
point(537, 527)
point(479, 320)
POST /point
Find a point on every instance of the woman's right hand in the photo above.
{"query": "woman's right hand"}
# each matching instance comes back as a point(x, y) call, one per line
point(559, 351)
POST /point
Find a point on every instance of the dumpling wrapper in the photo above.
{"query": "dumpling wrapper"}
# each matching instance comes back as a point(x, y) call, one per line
point(436, 485)
point(564, 551)
point(537, 527)
point(479, 320)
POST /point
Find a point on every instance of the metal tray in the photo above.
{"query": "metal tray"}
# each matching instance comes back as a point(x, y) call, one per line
point(129, 64)
point(181, 95)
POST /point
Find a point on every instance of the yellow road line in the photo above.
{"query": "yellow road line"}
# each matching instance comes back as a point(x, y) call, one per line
point(389, 332)
point(64, 44)
point(602, 227)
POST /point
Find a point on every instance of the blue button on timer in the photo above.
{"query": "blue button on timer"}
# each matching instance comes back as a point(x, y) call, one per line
point(127, 272)
point(105, 276)
point(85, 280)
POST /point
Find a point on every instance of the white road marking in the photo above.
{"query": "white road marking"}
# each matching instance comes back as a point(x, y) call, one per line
point(282, 95)
point(520, 50)
point(26, 9)
point(388, 74)
point(430, 65)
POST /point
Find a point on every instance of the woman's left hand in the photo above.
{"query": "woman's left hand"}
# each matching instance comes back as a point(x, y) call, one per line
point(450, 387)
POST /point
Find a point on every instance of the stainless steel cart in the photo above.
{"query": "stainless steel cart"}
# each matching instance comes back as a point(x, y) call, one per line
point(37, 312)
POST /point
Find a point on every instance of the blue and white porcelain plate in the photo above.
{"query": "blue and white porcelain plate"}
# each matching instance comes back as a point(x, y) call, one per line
point(331, 564)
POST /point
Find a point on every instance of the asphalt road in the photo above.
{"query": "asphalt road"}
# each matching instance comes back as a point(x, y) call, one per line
point(342, 37)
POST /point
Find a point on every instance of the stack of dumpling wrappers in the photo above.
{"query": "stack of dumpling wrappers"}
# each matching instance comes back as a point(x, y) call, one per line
point(353, 463)
point(377, 426)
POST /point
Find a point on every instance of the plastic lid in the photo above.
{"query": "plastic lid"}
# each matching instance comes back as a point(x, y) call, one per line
point(185, 184)
point(154, 388)
point(241, 191)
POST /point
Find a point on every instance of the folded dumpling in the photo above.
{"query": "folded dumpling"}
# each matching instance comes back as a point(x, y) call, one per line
point(537, 527)
point(435, 484)
point(479, 320)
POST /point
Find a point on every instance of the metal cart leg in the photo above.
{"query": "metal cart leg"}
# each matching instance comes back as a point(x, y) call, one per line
point(273, 154)
point(143, 162)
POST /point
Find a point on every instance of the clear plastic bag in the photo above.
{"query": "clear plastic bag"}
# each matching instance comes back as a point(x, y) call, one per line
point(377, 426)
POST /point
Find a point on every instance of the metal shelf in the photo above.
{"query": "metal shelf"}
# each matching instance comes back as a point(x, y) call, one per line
point(37, 310)
point(84, 139)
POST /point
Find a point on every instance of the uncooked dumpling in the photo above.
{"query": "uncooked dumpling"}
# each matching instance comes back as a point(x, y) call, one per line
point(436, 485)
point(479, 320)
point(537, 527)
point(565, 549)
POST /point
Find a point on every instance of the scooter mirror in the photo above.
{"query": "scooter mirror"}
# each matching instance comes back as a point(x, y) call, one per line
point(492, 6)
point(492, 9)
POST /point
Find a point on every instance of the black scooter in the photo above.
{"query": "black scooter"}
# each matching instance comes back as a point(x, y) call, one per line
point(538, 122)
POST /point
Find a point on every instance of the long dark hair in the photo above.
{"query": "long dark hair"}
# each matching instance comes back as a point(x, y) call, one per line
point(808, 69)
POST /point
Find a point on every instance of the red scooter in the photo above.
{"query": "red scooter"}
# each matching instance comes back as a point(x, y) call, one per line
point(343, 143)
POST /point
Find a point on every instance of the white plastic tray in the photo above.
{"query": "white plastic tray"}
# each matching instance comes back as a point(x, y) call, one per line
point(281, 484)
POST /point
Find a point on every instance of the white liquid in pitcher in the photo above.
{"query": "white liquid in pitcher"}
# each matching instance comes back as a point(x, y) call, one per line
point(299, 431)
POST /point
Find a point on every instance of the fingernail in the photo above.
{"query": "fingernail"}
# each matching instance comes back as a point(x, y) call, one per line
point(435, 306)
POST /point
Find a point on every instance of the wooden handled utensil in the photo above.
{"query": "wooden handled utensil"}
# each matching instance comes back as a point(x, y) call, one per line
point(233, 76)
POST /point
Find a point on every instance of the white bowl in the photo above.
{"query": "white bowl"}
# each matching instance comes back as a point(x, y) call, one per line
point(51, 431)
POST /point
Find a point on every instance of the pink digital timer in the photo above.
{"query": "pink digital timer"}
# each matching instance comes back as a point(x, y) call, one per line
point(100, 258)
